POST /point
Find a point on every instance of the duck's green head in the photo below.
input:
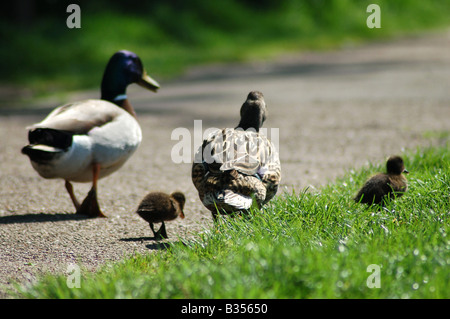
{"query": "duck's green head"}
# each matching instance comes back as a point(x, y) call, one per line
point(124, 68)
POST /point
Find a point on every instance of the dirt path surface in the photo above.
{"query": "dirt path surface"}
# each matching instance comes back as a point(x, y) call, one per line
point(335, 111)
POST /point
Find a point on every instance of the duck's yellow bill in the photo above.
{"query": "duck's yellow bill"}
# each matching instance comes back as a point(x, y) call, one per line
point(147, 82)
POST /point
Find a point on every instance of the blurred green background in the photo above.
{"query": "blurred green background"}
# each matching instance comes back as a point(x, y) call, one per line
point(41, 54)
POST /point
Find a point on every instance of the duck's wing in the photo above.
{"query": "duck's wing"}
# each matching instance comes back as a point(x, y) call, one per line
point(245, 162)
point(80, 117)
point(248, 152)
point(270, 169)
point(238, 150)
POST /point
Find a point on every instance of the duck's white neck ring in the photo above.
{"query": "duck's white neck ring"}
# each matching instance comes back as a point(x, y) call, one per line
point(120, 97)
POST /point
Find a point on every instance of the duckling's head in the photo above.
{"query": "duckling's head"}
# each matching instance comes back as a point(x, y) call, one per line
point(395, 165)
point(253, 111)
point(181, 200)
point(124, 68)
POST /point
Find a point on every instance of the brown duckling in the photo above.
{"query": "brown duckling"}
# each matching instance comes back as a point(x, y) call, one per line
point(384, 185)
point(158, 207)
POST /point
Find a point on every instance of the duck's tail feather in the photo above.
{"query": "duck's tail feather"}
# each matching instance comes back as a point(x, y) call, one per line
point(229, 198)
point(42, 153)
point(47, 144)
point(50, 137)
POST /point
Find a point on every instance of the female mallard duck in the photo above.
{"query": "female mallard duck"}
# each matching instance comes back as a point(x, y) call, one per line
point(384, 185)
point(88, 140)
point(237, 168)
point(158, 207)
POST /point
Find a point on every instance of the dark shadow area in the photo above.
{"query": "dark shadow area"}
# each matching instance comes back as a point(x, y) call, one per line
point(156, 245)
point(40, 218)
point(159, 246)
point(139, 239)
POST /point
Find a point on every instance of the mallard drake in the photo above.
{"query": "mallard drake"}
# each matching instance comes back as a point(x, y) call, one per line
point(158, 207)
point(384, 185)
point(88, 140)
point(238, 168)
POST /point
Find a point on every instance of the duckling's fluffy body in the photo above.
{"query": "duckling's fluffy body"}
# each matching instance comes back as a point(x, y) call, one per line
point(158, 207)
point(384, 185)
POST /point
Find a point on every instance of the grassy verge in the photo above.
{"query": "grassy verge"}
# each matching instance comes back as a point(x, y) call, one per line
point(303, 245)
point(47, 57)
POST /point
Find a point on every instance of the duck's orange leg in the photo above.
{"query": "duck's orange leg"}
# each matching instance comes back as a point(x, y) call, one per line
point(75, 202)
point(90, 205)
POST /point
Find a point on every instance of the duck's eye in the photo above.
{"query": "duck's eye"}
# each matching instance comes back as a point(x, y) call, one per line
point(133, 68)
point(137, 62)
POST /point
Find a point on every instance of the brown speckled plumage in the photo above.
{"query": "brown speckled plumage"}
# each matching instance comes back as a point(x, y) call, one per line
point(384, 185)
point(158, 207)
point(236, 168)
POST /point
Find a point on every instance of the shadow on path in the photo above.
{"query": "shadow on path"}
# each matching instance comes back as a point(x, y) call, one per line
point(40, 218)
point(157, 245)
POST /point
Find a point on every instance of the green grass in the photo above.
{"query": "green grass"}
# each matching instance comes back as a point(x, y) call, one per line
point(303, 245)
point(46, 57)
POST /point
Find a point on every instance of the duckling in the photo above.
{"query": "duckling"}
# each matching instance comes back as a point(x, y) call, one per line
point(238, 168)
point(385, 185)
point(88, 140)
point(158, 207)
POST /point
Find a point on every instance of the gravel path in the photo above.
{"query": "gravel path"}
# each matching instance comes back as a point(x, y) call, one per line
point(335, 111)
